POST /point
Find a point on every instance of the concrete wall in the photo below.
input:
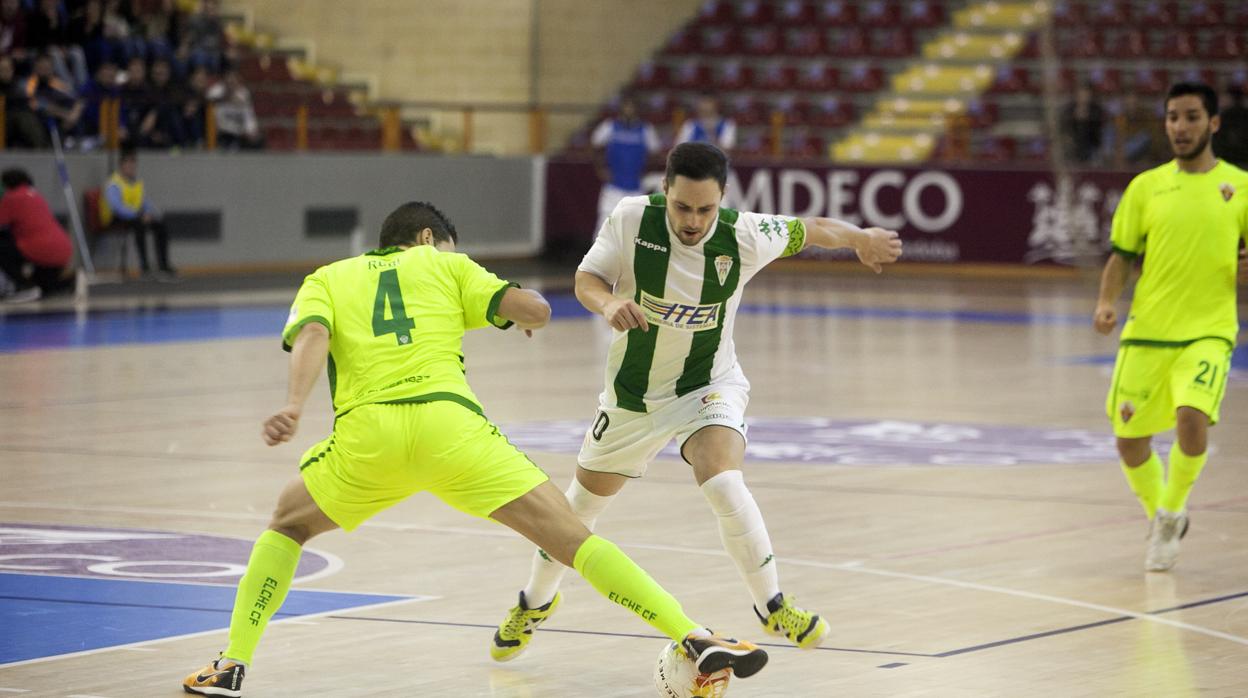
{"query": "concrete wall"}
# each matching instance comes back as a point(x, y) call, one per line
point(480, 51)
point(495, 203)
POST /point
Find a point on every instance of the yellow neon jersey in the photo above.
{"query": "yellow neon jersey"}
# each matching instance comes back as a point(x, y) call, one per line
point(397, 320)
point(1188, 228)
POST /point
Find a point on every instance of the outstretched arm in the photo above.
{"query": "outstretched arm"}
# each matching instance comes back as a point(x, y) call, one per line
point(1113, 282)
point(525, 307)
point(874, 246)
point(307, 359)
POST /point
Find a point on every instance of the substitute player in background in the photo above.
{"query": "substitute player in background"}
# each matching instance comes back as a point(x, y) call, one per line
point(1186, 219)
point(667, 272)
point(392, 323)
point(624, 145)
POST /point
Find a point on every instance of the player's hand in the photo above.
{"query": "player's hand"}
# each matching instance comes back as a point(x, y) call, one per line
point(1105, 319)
point(623, 314)
point(877, 247)
point(1243, 266)
point(281, 427)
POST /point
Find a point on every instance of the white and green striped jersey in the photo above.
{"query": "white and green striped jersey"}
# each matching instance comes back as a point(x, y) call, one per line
point(689, 295)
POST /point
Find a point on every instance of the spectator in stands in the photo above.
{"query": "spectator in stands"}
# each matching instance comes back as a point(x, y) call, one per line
point(31, 238)
point(86, 29)
point(126, 203)
point(135, 95)
point(103, 86)
point(12, 30)
point(709, 126)
point(237, 126)
point(623, 144)
point(52, 99)
point(205, 36)
point(1083, 125)
point(20, 123)
point(162, 125)
point(47, 31)
point(195, 108)
point(1231, 141)
point(1139, 134)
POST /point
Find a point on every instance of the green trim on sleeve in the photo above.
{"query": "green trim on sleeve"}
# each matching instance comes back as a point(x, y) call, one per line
point(1126, 254)
point(491, 312)
point(797, 238)
point(293, 330)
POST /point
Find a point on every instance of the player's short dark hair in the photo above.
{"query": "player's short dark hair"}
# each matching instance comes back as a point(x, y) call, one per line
point(403, 224)
point(697, 161)
point(1200, 89)
point(15, 177)
point(128, 152)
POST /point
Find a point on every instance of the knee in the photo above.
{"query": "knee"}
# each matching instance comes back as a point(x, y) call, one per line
point(1192, 428)
point(1134, 452)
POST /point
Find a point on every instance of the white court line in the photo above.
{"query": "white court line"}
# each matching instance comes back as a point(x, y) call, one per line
point(138, 649)
point(855, 567)
point(14, 690)
point(284, 621)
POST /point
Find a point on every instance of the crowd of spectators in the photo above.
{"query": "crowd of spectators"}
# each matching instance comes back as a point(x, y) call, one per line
point(163, 61)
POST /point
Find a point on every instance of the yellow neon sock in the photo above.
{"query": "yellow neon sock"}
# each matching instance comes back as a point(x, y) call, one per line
point(261, 592)
point(1184, 470)
point(1146, 482)
point(618, 578)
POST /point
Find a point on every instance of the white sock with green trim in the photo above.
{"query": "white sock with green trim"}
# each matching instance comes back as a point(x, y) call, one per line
point(547, 573)
point(744, 535)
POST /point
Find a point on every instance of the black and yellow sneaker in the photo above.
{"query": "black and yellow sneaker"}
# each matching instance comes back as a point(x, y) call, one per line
point(513, 636)
point(712, 653)
point(220, 678)
point(803, 628)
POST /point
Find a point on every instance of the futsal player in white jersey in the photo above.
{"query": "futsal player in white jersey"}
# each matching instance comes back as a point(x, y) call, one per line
point(667, 272)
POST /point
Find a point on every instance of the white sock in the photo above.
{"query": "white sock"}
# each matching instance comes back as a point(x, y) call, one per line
point(744, 534)
point(547, 572)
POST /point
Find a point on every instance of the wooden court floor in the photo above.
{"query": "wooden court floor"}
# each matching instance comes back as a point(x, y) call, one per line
point(931, 455)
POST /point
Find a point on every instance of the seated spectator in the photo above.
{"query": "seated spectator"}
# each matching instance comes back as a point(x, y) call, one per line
point(204, 38)
point(12, 30)
point(47, 31)
point(31, 238)
point(237, 126)
point(125, 203)
point(195, 108)
point(162, 125)
point(1083, 123)
point(1231, 141)
point(86, 29)
point(20, 123)
point(52, 99)
point(135, 95)
point(103, 86)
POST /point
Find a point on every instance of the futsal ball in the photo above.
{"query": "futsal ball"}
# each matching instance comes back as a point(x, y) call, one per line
point(676, 676)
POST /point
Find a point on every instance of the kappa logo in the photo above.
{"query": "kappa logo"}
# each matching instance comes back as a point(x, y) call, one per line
point(1126, 411)
point(649, 245)
point(1227, 190)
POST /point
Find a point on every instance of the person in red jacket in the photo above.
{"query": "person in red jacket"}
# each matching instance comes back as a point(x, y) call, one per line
point(30, 235)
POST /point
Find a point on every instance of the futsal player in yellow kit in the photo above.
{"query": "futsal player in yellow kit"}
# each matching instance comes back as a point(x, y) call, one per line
point(1186, 220)
point(391, 324)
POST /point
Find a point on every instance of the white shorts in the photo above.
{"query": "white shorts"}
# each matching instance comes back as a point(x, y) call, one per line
point(624, 442)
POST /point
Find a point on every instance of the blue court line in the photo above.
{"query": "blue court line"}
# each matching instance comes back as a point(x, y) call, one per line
point(66, 329)
point(48, 615)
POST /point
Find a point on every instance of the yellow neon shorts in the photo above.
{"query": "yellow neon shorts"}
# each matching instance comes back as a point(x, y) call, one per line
point(380, 454)
point(1151, 382)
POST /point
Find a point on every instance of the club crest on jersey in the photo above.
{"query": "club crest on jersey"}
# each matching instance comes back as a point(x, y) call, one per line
point(1126, 411)
point(723, 265)
point(679, 316)
point(1227, 191)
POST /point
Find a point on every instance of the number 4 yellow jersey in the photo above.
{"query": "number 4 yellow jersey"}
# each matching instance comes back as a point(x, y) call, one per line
point(396, 320)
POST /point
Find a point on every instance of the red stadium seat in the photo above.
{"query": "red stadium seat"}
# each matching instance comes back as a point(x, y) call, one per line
point(1203, 13)
point(836, 13)
point(691, 74)
point(1103, 80)
point(761, 41)
point(683, 42)
point(817, 77)
point(981, 114)
point(878, 13)
point(775, 75)
point(892, 43)
point(732, 75)
point(862, 77)
point(1178, 44)
point(923, 13)
point(1157, 13)
point(1109, 13)
point(1083, 42)
point(831, 112)
point(1012, 79)
point(795, 13)
point(791, 109)
point(807, 41)
point(657, 108)
point(747, 111)
point(847, 43)
point(715, 12)
point(1149, 81)
point(1130, 43)
point(719, 41)
point(802, 144)
point(1067, 13)
point(753, 12)
point(1237, 15)
point(651, 75)
point(1224, 45)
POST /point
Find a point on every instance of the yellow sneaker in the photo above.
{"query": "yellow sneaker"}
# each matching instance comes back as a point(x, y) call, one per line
point(220, 678)
point(515, 633)
point(803, 628)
